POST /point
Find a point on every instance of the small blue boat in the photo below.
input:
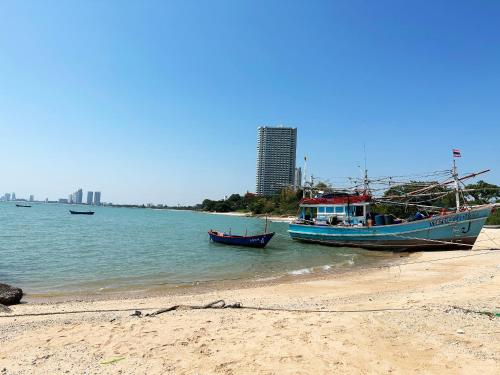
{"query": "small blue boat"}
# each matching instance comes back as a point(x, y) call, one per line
point(259, 240)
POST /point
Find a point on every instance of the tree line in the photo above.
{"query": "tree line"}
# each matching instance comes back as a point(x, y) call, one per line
point(284, 203)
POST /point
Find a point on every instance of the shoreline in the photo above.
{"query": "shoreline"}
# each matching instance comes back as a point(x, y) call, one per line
point(319, 272)
point(197, 287)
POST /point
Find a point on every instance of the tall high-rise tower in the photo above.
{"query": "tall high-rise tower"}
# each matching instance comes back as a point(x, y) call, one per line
point(97, 198)
point(276, 151)
point(79, 196)
point(90, 197)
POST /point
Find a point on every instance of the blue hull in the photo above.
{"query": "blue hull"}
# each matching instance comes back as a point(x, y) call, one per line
point(260, 240)
point(457, 230)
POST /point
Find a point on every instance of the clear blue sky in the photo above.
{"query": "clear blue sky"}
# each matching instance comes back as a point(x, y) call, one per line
point(159, 101)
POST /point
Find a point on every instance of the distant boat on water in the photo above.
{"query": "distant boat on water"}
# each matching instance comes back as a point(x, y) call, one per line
point(81, 212)
point(22, 205)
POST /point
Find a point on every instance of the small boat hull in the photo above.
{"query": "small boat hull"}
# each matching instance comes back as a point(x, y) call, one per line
point(258, 241)
point(81, 212)
point(452, 231)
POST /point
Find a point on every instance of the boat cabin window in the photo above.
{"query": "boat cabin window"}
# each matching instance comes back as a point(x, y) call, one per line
point(310, 213)
point(339, 209)
point(329, 210)
point(321, 209)
point(359, 211)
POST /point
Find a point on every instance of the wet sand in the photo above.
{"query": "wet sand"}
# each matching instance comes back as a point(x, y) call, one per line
point(415, 317)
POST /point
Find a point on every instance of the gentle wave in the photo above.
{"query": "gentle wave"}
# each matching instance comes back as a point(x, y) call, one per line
point(271, 278)
point(302, 271)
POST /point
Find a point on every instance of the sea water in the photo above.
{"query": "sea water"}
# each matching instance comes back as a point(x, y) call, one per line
point(45, 249)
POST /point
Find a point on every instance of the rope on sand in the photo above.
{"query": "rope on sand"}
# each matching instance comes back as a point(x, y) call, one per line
point(219, 304)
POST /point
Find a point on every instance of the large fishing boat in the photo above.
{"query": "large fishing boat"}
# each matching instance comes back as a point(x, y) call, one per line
point(348, 219)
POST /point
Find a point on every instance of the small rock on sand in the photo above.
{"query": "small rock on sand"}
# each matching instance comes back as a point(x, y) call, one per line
point(10, 295)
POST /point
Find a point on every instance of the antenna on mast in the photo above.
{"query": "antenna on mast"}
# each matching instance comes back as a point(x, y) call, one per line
point(365, 179)
point(364, 151)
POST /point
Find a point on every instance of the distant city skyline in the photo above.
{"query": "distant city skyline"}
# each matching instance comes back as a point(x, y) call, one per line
point(160, 103)
point(73, 198)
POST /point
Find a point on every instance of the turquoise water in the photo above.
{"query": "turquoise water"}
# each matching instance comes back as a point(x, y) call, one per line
point(44, 249)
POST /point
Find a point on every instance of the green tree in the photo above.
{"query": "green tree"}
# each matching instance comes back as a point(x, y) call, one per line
point(322, 186)
point(483, 192)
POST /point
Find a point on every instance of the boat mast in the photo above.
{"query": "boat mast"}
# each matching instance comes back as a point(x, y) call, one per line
point(305, 177)
point(366, 182)
point(455, 177)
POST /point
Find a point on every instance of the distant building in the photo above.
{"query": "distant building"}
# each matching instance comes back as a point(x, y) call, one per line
point(32, 198)
point(90, 197)
point(71, 198)
point(276, 152)
point(7, 196)
point(297, 184)
point(13, 197)
point(78, 196)
point(97, 198)
point(63, 200)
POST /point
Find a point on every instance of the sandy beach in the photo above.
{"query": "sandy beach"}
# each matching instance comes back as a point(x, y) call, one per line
point(430, 314)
